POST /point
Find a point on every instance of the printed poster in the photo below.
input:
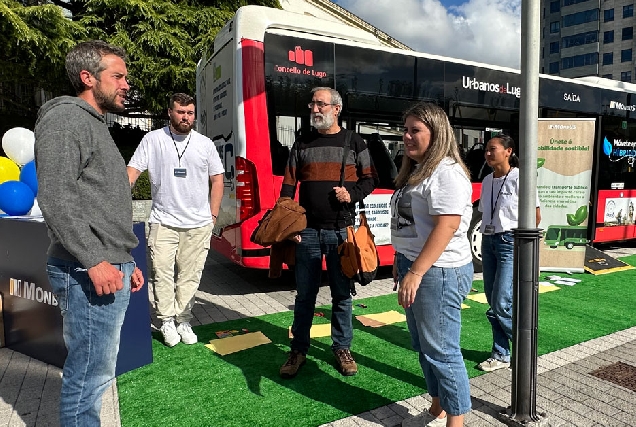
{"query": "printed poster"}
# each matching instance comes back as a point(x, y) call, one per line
point(564, 177)
point(378, 212)
point(619, 211)
point(215, 119)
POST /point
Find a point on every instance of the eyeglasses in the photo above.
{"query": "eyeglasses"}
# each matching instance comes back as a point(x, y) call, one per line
point(318, 104)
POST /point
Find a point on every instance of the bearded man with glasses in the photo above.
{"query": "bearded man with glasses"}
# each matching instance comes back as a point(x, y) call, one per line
point(315, 161)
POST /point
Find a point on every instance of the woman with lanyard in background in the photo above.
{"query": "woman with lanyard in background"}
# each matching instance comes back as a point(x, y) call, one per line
point(499, 205)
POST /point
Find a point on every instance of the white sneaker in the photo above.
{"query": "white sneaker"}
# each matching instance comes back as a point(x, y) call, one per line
point(437, 422)
point(493, 364)
point(169, 332)
point(426, 419)
point(187, 336)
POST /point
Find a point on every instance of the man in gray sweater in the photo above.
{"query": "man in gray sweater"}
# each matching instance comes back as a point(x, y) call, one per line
point(86, 202)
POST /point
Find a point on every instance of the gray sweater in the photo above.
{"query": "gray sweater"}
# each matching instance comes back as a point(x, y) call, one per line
point(84, 193)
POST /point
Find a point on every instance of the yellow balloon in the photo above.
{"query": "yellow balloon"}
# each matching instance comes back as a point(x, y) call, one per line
point(9, 171)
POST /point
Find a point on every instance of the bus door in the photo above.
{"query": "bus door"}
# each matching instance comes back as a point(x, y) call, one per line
point(384, 141)
point(474, 126)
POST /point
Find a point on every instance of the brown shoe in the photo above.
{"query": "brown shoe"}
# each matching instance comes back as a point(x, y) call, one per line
point(346, 364)
point(295, 360)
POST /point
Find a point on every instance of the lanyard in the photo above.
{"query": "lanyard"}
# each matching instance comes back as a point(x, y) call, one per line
point(493, 206)
point(175, 145)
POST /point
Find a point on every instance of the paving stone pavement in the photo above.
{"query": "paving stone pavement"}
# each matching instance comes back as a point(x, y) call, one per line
point(29, 389)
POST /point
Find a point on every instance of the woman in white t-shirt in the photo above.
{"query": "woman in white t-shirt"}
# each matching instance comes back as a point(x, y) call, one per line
point(499, 206)
point(431, 212)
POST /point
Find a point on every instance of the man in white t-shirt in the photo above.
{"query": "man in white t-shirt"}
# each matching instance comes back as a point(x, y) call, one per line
point(186, 180)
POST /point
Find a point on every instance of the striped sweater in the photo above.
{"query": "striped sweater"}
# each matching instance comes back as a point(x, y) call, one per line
point(315, 162)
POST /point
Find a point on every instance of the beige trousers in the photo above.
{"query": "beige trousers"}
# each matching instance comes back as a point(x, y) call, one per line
point(184, 250)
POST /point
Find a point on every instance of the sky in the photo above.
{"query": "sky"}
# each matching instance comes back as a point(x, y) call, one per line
point(487, 31)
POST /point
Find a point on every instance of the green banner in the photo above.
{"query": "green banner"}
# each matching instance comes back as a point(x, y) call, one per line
point(564, 176)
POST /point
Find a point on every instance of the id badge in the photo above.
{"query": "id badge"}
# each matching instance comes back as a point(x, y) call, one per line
point(180, 172)
point(489, 229)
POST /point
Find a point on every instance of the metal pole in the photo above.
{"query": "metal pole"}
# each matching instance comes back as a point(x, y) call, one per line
point(524, 323)
point(529, 111)
point(526, 252)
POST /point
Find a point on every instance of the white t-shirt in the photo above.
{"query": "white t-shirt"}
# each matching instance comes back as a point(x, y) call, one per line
point(178, 201)
point(506, 215)
point(446, 192)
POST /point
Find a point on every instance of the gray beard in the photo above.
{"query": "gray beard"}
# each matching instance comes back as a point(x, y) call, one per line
point(327, 121)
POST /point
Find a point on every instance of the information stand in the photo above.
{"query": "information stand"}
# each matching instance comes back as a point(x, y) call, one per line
point(32, 320)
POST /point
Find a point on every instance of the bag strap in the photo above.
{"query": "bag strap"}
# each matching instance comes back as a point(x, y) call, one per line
point(362, 211)
point(347, 147)
point(345, 154)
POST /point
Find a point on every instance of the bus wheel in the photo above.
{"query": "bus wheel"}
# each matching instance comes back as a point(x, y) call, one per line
point(569, 245)
point(474, 237)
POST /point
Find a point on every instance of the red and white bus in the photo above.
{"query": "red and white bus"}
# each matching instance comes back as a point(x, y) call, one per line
point(252, 94)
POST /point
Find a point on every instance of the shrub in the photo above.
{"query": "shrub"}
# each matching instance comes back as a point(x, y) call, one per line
point(141, 191)
point(127, 139)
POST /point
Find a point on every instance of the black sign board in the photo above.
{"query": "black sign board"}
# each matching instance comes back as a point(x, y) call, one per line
point(32, 320)
point(470, 85)
point(619, 104)
point(293, 66)
point(567, 96)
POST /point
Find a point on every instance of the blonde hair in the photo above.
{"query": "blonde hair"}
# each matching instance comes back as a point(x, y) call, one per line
point(442, 145)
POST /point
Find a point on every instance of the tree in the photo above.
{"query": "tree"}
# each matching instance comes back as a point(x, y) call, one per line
point(164, 40)
point(34, 41)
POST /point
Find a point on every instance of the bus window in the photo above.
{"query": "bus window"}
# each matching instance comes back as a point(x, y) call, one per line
point(383, 139)
point(288, 89)
point(284, 130)
point(552, 235)
point(472, 147)
point(365, 72)
point(475, 161)
point(382, 161)
point(468, 114)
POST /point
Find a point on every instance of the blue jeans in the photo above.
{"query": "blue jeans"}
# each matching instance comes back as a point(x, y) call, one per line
point(434, 321)
point(92, 326)
point(314, 243)
point(497, 252)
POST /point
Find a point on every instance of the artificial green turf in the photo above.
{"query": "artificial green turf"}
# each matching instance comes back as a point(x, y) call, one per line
point(193, 386)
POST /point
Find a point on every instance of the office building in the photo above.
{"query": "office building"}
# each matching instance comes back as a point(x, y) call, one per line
point(588, 38)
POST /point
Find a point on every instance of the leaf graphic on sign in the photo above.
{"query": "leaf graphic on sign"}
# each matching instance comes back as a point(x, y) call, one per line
point(540, 162)
point(571, 220)
point(607, 147)
point(581, 213)
point(578, 217)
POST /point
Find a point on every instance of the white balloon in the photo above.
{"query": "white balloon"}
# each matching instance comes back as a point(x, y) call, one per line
point(18, 143)
point(35, 210)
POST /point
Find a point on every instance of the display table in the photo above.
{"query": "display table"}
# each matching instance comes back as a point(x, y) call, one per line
point(32, 324)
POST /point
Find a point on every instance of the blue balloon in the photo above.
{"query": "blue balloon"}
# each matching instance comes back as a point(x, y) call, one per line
point(29, 177)
point(16, 198)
